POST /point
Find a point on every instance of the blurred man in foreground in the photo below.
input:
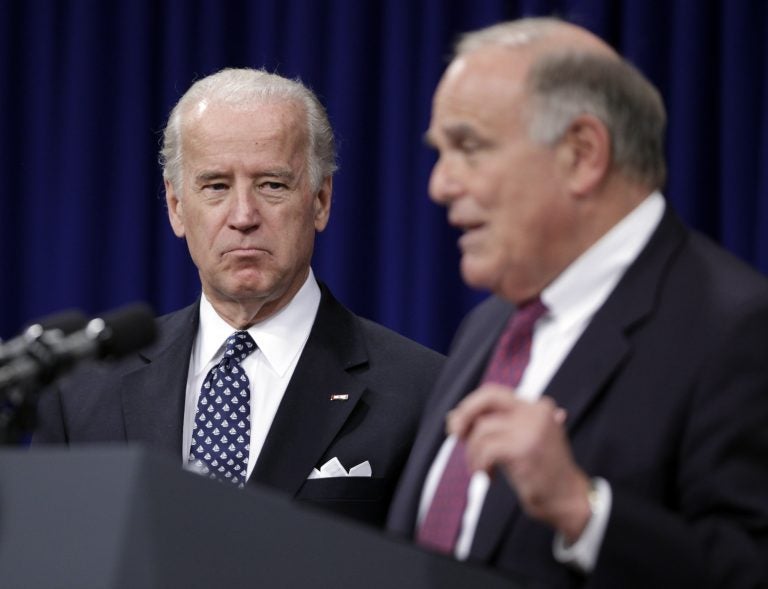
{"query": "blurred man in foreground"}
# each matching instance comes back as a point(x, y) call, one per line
point(607, 409)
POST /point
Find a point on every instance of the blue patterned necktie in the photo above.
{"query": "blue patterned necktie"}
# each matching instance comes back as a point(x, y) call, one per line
point(221, 434)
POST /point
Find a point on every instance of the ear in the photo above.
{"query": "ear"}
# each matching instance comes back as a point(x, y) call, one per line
point(585, 153)
point(322, 204)
point(175, 209)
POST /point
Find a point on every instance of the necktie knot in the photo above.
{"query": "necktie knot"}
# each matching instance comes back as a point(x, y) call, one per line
point(513, 350)
point(238, 346)
point(527, 315)
point(530, 311)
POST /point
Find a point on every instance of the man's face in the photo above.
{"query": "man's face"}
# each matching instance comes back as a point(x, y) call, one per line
point(500, 188)
point(246, 207)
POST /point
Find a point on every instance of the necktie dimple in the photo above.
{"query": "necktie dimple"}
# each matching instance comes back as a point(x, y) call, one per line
point(440, 527)
point(221, 433)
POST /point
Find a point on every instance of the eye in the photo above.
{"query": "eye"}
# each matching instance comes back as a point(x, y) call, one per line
point(272, 185)
point(468, 146)
point(216, 186)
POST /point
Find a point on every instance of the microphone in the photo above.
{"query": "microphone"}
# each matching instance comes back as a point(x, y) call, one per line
point(46, 329)
point(115, 334)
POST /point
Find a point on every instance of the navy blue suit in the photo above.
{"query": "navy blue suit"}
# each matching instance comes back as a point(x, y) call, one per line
point(386, 377)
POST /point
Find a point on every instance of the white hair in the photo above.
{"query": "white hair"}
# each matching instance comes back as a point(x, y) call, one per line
point(563, 85)
point(247, 87)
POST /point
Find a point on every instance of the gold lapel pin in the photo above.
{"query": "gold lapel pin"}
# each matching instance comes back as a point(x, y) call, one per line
point(340, 397)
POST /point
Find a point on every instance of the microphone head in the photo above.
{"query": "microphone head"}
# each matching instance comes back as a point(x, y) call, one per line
point(117, 333)
point(46, 330)
point(124, 330)
point(66, 322)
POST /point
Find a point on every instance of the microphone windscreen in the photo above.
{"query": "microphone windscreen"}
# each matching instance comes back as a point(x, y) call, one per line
point(127, 329)
point(68, 321)
point(63, 323)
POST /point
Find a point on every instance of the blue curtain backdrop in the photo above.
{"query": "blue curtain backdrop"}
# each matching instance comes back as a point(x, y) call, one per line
point(86, 86)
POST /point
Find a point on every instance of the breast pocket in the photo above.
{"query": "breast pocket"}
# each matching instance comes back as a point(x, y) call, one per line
point(362, 498)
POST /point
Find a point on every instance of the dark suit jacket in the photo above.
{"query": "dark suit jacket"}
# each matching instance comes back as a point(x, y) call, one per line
point(387, 378)
point(666, 394)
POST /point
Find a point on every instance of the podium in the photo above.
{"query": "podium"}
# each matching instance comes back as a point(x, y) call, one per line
point(119, 517)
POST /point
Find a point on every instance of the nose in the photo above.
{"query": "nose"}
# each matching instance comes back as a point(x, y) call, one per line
point(244, 210)
point(444, 185)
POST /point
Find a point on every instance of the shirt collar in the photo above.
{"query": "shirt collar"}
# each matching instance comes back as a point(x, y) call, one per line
point(584, 285)
point(280, 337)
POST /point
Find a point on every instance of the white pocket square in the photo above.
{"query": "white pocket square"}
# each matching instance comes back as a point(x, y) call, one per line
point(334, 468)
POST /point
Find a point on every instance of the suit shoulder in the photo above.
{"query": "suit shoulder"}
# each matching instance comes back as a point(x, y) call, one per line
point(722, 277)
point(387, 343)
point(175, 320)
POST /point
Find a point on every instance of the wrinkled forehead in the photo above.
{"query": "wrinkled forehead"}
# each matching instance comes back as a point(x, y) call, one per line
point(494, 67)
point(497, 71)
point(286, 111)
point(256, 122)
point(485, 85)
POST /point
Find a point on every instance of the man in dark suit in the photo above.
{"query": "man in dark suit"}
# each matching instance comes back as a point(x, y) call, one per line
point(248, 160)
point(622, 440)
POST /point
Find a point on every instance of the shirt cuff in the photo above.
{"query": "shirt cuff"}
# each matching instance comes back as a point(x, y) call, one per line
point(582, 554)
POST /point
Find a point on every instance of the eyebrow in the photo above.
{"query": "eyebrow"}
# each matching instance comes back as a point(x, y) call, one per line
point(208, 175)
point(284, 173)
point(461, 131)
point(454, 132)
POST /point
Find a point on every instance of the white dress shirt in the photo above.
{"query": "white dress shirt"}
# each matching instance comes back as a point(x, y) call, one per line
point(280, 340)
point(571, 299)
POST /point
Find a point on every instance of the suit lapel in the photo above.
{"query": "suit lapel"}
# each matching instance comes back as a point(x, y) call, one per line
point(597, 356)
point(307, 420)
point(156, 388)
point(606, 343)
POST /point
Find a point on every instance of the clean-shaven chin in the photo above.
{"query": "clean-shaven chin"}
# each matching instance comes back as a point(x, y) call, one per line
point(473, 273)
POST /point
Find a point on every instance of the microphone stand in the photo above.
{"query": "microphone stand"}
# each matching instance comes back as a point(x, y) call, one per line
point(18, 401)
point(118, 333)
point(18, 416)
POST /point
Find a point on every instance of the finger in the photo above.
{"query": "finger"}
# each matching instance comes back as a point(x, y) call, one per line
point(486, 399)
point(514, 434)
point(494, 440)
point(558, 413)
point(493, 452)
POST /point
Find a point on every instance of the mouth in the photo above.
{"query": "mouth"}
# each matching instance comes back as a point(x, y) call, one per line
point(244, 251)
point(470, 233)
point(470, 227)
point(462, 221)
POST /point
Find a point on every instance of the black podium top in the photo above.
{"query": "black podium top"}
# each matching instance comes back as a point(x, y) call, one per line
point(109, 517)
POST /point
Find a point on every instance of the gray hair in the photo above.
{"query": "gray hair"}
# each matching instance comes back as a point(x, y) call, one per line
point(564, 85)
point(246, 87)
point(517, 33)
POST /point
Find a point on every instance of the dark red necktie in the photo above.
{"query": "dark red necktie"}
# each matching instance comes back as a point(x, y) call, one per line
point(440, 528)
